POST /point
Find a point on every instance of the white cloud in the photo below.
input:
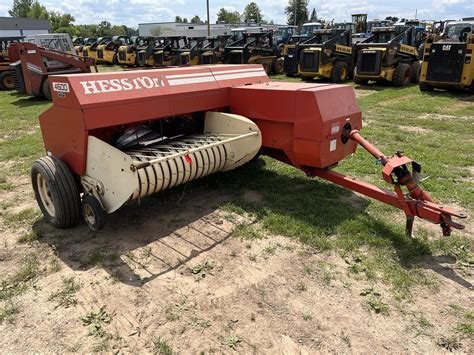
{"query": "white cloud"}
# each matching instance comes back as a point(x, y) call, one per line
point(133, 12)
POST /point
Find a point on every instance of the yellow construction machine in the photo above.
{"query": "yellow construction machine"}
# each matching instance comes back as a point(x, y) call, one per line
point(448, 58)
point(389, 55)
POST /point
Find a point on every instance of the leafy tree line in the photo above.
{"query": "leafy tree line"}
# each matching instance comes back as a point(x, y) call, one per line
point(64, 23)
point(251, 13)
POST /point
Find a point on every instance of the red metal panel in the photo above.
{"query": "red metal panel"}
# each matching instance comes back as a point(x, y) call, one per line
point(161, 107)
point(83, 102)
point(65, 136)
point(315, 115)
point(237, 75)
point(114, 88)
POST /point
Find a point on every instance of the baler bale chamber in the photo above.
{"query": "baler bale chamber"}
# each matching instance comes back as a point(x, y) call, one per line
point(115, 137)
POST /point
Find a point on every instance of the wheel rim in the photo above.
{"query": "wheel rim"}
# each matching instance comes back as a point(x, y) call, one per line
point(8, 82)
point(407, 76)
point(89, 215)
point(343, 73)
point(45, 195)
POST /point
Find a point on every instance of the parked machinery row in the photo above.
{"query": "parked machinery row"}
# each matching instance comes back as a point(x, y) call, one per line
point(389, 54)
point(241, 48)
point(396, 54)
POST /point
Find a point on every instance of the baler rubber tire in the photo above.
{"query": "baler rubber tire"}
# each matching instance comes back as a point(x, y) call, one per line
point(306, 78)
point(402, 75)
point(45, 90)
point(93, 213)
point(425, 87)
point(62, 190)
point(337, 71)
point(6, 81)
point(415, 72)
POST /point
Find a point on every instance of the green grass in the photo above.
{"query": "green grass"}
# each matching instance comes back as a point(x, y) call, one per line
point(97, 321)
point(19, 281)
point(161, 347)
point(19, 124)
point(66, 296)
point(8, 312)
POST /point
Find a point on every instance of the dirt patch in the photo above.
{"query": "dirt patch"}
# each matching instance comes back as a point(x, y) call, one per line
point(435, 116)
point(364, 93)
point(415, 129)
point(457, 106)
point(172, 270)
point(396, 100)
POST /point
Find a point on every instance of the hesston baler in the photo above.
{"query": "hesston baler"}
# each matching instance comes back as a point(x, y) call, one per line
point(116, 137)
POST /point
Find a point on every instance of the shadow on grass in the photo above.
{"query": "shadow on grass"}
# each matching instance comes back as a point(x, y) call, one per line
point(182, 223)
point(459, 94)
point(27, 100)
point(178, 225)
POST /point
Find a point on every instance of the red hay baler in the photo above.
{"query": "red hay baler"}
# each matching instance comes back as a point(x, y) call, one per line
point(115, 137)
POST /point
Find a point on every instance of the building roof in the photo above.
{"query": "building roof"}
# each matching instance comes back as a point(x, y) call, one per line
point(21, 23)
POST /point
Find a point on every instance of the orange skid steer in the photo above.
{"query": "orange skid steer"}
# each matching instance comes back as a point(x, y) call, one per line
point(115, 137)
point(32, 65)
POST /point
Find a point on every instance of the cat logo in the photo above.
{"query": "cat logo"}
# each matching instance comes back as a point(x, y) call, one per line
point(446, 47)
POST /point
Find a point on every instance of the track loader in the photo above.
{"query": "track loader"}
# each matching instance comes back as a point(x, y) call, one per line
point(189, 53)
point(389, 55)
point(32, 65)
point(78, 43)
point(255, 48)
point(289, 52)
point(146, 49)
point(6, 75)
point(91, 50)
point(214, 50)
point(448, 61)
point(167, 51)
point(107, 51)
point(128, 53)
point(328, 54)
point(83, 50)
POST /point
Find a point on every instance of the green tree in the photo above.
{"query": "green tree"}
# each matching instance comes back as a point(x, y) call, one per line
point(178, 19)
point(252, 13)
point(228, 17)
point(392, 18)
point(155, 31)
point(20, 8)
point(297, 12)
point(314, 16)
point(185, 20)
point(91, 31)
point(104, 29)
point(118, 30)
point(38, 11)
point(196, 19)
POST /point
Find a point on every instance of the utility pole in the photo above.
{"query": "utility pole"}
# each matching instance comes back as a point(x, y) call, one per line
point(295, 12)
point(208, 20)
point(416, 13)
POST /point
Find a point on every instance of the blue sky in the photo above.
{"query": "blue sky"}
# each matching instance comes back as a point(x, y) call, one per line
point(132, 12)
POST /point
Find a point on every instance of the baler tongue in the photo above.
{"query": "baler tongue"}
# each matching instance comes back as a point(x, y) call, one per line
point(416, 202)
